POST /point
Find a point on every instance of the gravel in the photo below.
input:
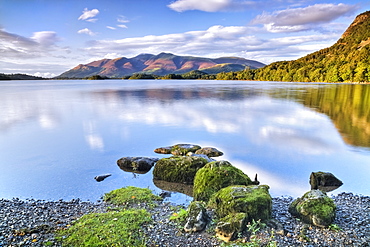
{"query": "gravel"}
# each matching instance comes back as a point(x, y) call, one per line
point(34, 222)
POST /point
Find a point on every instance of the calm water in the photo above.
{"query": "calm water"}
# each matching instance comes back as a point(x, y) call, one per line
point(56, 136)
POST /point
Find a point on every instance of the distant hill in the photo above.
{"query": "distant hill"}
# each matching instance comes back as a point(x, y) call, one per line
point(19, 77)
point(348, 60)
point(161, 64)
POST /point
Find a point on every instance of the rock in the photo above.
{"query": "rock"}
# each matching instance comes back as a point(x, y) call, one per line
point(201, 155)
point(178, 169)
point(102, 177)
point(277, 226)
point(197, 217)
point(165, 194)
point(324, 181)
point(136, 164)
point(178, 149)
point(254, 200)
point(209, 151)
point(215, 176)
point(228, 227)
point(314, 207)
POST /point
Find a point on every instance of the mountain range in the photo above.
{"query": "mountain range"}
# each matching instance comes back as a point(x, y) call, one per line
point(161, 64)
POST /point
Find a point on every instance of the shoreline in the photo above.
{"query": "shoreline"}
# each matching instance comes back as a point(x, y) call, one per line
point(34, 223)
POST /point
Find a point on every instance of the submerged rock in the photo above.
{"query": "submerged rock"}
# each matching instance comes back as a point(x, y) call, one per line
point(197, 217)
point(178, 169)
point(324, 181)
point(254, 200)
point(209, 151)
point(186, 189)
point(314, 207)
point(102, 177)
point(136, 164)
point(178, 149)
point(215, 176)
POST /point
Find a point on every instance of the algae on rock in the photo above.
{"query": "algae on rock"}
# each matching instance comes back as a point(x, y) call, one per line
point(254, 200)
point(314, 207)
point(215, 176)
point(178, 169)
point(178, 149)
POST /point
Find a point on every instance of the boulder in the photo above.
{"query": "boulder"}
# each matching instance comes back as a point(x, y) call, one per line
point(215, 176)
point(228, 227)
point(178, 169)
point(254, 200)
point(178, 149)
point(197, 217)
point(209, 151)
point(324, 181)
point(314, 207)
point(136, 164)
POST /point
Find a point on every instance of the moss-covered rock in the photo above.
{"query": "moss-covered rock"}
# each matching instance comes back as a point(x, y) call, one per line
point(215, 176)
point(228, 227)
point(178, 149)
point(314, 207)
point(254, 200)
point(209, 151)
point(197, 217)
point(130, 194)
point(178, 169)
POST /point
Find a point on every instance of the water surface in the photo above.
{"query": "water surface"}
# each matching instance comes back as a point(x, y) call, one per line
point(56, 136)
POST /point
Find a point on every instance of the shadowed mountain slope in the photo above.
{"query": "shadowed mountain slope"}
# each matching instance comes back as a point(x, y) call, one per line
point(161, 64)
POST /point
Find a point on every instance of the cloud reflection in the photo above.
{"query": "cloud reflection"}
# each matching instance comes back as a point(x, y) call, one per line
point(278, 185)
point(93, 139)
point(260, 119)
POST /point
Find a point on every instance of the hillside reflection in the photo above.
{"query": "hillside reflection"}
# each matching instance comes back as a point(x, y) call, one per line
point(346, 105)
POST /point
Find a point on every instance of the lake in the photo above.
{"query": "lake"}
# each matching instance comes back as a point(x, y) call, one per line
point(56, 136)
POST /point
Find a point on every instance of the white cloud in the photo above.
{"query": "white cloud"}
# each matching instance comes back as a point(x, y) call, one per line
point(123, 19)
point(46, 38)
point(86, 31)
point(45, 74)
point(213, 5)
point(88, 14)
point(217, 41)
point(112, 28)
point(41, 44)
point(300, 19)
point(204, 5)
point(122, 26)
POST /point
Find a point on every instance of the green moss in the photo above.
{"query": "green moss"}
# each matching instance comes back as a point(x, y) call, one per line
point(253, 200)
point(183, 149)
point(178, 169)
point(130, 194)
point(314, 207)
point(107, 229)
point(215, 176)
point(180, 216)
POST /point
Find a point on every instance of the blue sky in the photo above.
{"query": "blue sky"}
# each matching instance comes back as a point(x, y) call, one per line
point(48, 37)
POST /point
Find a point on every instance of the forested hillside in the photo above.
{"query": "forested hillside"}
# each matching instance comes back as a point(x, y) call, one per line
point(348, 60)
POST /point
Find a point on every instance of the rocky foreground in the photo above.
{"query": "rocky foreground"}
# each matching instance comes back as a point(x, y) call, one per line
point(34, 223)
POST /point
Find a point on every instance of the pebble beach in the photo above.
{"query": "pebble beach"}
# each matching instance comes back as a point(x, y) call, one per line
point(35, 222)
